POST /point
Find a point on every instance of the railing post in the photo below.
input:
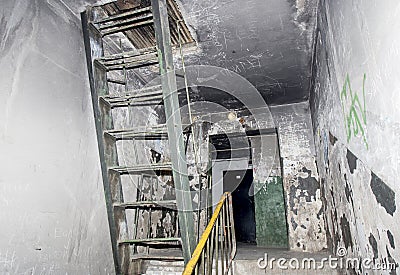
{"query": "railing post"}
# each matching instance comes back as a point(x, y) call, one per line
point(218, 240)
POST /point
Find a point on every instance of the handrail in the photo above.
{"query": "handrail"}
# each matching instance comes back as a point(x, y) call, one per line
point(217, 245)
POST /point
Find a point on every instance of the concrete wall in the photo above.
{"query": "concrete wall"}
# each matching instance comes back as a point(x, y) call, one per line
point(355, 105)
point(52, 205)
point(301, 183)
point(305, 218)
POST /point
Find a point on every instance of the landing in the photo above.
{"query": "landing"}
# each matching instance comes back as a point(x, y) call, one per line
point(254, 260)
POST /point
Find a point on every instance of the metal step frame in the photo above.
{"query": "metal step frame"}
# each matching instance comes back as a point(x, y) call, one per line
point(107, 136)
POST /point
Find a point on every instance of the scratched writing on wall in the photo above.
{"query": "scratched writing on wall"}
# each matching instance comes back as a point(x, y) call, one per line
point(354, 111)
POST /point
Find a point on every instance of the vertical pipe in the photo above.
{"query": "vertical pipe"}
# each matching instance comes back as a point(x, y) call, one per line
point(217, 246)
point(202, 269)
point(227, 236)
point(222, 244)
point(229, 232)
point(208, 256)
point(232, 223)
point(210, 263)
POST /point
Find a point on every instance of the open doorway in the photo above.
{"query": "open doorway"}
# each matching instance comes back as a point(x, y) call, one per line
point(259, 214)
point(239, 182)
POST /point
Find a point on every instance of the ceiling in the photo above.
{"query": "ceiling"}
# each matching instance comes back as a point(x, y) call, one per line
point(269, 42)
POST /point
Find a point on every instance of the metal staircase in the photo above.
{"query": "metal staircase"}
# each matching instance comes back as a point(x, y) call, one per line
point(99, 67)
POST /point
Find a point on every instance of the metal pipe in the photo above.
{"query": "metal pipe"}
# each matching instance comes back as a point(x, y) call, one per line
point(222, 243)
point(217, 246)
point(210, 262)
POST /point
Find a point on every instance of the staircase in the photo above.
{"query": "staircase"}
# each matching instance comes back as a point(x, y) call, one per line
point(135, 243)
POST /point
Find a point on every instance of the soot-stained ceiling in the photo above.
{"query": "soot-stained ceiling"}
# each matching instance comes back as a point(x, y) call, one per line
point(269, 42)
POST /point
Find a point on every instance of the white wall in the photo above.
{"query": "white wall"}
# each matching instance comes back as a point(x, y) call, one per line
point(356, 117)
point(52, 205)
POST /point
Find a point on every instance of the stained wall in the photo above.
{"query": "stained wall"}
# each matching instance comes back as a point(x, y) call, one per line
point(355, 114)
point(53, 212)
point(301, 181)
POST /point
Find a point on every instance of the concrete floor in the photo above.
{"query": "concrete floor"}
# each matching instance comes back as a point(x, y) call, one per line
point(253, 252)
point(247, 261)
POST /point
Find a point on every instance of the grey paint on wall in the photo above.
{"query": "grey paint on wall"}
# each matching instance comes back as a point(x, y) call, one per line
point(304, 205)
point(52, 205)
point(354, 102)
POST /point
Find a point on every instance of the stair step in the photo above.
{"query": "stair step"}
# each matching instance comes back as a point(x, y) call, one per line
point(122, 15)
point(155, 132)
point(152, 133)
point(153, 241)
point(135, 101)
point(128, 27)
point(139, 169)
point(128, 54)
point(124, 22)
point(148, 95)
point(129, 61)
point(156, 257)
point(147, 204)
point(116, 81)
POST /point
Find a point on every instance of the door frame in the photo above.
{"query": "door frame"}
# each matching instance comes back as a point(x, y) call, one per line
point(218, 168)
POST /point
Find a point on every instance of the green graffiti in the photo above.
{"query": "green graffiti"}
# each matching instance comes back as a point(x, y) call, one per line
point(356, 115)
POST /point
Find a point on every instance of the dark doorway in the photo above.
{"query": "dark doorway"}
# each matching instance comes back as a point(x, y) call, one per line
point(239, 183)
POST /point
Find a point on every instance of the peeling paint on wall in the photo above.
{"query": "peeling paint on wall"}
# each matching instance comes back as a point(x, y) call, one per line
point(384, 195)
point(360, 176)
point(304, 207)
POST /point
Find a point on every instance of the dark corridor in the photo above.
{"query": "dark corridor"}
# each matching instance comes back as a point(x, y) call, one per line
point(239, 183)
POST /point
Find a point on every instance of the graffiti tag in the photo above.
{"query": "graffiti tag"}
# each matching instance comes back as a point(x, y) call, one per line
point(355, 113)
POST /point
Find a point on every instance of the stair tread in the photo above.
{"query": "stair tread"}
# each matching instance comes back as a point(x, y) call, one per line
point(129, 61)
point(134, 101)
point(119, 16)
point(137, 204)
point(127, 54)
point(165, 166)
point(152, 132)
point(126, 21)
point(138, 134)
point(147, 94)
point(145, 91)
point(150, 240)
point(128, 27)
point(156, 257)
point(137, 131)
point(116, 81)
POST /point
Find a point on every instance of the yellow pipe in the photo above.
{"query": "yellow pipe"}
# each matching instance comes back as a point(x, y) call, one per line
point(200, 246)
